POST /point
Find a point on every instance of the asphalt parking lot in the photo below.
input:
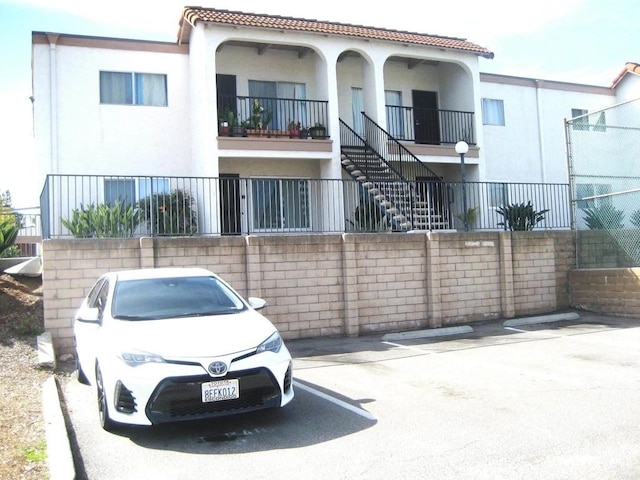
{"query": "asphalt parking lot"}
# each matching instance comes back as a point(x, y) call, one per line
point(551, 400)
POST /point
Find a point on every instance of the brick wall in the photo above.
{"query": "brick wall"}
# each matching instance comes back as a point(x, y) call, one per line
point(319, 285)
point(613, 291)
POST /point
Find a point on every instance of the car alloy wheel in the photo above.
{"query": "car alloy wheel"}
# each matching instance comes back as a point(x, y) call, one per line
point(103, 404)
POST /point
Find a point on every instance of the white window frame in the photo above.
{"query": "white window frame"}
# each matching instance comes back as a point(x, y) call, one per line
point(493, 112)
point(140, 89)
point(255, 205)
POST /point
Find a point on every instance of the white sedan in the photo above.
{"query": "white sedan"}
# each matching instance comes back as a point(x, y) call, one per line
point(171, 344)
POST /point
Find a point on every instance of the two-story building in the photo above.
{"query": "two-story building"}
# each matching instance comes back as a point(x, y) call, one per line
point(258, 123)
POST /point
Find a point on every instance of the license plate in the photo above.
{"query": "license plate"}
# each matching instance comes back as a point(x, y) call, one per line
point(220, 390)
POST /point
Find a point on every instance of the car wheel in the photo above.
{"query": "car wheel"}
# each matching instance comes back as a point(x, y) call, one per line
point(80, 375)
point(103, 404)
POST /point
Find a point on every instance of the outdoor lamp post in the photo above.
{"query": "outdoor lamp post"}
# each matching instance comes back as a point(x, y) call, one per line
point(461, 148)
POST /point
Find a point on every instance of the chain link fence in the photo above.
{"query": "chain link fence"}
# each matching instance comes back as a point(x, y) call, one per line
point(604, 173)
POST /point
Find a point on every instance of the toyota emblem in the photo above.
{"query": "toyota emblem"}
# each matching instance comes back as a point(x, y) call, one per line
point(218, 368)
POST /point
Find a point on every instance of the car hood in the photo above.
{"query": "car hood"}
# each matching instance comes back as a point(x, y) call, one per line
point(193, 337)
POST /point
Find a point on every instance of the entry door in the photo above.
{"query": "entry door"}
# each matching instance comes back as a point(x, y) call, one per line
point(230, 204)
point(425, 117)
point(226, 93)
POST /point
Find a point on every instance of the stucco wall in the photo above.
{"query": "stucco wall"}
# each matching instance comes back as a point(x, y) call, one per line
point(319, 285)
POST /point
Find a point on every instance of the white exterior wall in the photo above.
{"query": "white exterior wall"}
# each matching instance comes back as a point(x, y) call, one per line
point(96, 139)
point(628, 88)
point(531, 146)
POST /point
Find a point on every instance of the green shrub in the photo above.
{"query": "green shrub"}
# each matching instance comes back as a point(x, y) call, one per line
point(9, 228)
point(604, 217)
point(520, 217)
point(635, 219)
point(103, 221)
point(170, 213)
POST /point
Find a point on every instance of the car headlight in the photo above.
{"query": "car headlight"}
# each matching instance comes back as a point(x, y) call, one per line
point(271, 344)
point(134, 359)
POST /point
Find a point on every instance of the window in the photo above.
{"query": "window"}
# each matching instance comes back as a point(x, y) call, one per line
point(124, 189)
point(395, 118)
point(282, 101)
point(125, 88)
point(492, 112)
point(582, 122)
point(586, 191)
point(498, 194)
point(280, 204)
point(582, 119)
point(119, 189)
point(601, 123)
point(152, 186)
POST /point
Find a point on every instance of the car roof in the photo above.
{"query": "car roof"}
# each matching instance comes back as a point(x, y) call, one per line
point(165, 272)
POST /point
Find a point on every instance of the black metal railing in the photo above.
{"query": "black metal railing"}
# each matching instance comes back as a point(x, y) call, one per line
point(276, 117)
point(430, 126)
point(85, 206)
point(396, 154)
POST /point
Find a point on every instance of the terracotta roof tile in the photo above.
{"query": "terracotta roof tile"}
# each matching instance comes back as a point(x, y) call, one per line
point(628, 68)
point(193, 15)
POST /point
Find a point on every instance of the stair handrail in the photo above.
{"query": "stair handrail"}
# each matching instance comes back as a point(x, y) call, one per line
point(346, 130)
point(385, 139)
point(350, 138)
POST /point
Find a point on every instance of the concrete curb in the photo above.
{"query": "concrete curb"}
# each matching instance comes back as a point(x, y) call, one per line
point(519, 322)
point(436, 332)
point(59, 454)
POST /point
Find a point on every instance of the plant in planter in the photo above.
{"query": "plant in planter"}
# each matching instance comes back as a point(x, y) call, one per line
point(223, 121)
point(294, 129)
point(259, 120)
point(235, 129)
point(103, 221)
point(520, 217)
point(471, 216)
point(318, 131)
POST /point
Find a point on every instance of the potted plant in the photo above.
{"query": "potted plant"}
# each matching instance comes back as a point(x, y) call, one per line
point(260, 118)
point(294, 129)
point(318, 131)
point(235, 129)
point(223, 117)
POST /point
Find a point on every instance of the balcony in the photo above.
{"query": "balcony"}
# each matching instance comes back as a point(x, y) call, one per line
point(272, 117)
point(430, 126)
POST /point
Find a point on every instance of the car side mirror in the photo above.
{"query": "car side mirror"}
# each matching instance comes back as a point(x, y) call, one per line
point(257, 303)
point(89, 315)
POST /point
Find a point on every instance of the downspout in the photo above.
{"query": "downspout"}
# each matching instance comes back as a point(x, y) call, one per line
point(53, 97)
point(543, 167)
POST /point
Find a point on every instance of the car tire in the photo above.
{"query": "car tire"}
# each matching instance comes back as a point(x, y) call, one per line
point(103, 404)
point(80, 375)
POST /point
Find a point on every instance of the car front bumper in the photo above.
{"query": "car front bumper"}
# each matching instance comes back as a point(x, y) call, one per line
point(169, 392)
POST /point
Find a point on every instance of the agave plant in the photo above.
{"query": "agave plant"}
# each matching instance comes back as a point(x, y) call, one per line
point(520, 217)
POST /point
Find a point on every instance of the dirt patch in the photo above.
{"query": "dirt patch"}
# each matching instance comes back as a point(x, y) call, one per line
point(22, 435)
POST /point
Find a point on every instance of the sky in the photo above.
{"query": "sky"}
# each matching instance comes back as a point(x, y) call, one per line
point(576, 41)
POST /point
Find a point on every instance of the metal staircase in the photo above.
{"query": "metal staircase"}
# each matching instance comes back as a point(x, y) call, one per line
point(387, 171)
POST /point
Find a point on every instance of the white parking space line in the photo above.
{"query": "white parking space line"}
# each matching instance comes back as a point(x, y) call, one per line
point(543, 333)
point(335, 401)
point(407, 347)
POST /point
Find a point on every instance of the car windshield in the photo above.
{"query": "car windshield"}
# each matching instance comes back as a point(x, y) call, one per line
point(158, 298)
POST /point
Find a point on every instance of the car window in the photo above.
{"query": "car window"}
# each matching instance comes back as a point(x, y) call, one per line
point(93, 294)
point(149, 299)
point(101, 299)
